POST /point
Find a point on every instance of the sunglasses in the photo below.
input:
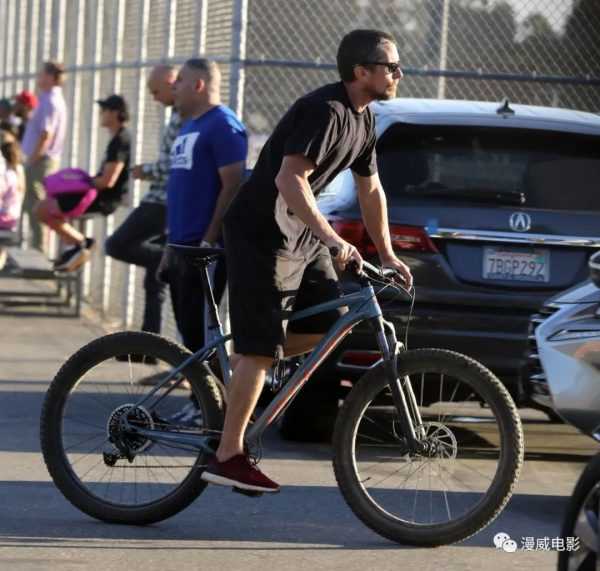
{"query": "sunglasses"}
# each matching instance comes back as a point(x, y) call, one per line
point(392, 66)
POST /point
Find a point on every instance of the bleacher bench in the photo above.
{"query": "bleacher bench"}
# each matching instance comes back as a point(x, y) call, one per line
point(33, 265)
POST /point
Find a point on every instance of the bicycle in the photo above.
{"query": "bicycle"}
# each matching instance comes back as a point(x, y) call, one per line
point(581, 521)
point(128, 462)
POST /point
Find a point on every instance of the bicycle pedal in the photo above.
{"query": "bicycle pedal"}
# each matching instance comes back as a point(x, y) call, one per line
point(249, 493)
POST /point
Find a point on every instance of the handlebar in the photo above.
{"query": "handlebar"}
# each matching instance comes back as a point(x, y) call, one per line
point(378, 273)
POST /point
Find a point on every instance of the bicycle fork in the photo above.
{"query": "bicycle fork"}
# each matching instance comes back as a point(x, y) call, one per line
point(402, 392)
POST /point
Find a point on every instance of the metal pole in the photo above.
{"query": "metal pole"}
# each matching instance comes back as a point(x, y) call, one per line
point(144, 15)
point(441, 93)
point(109, 222)
point(58, 28)
point(10, 43)
point(169, 33)
point(19, 42)
point(45, 29)
point(238, 54)
point(201, 19)
point(3, 43)
point(30, 53)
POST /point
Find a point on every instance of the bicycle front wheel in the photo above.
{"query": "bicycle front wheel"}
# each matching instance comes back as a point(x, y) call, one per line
point(581, 521)
point(462, 483)
point(105, 470)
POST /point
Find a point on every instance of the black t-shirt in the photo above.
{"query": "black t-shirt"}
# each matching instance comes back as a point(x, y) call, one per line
point(324, 127)
point(118, 150)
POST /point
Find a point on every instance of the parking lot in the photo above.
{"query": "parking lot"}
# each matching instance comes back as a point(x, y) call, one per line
point(306, 526)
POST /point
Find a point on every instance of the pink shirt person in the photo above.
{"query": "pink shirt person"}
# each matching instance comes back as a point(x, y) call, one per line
point(11, 198)
point(51, 116)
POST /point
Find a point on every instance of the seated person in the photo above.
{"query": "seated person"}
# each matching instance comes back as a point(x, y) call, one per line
point(111, 182)
point(11, 190)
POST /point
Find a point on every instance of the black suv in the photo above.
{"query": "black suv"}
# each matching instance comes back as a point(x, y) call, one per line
point(495, 207)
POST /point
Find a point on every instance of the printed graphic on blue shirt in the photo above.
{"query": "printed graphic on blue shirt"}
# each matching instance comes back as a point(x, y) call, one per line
point(182, 151)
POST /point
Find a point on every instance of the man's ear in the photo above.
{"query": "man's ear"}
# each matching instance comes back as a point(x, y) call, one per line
point(200, 85)
point(359, 72)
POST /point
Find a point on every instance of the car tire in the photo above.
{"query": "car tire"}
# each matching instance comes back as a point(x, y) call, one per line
point(311, 416)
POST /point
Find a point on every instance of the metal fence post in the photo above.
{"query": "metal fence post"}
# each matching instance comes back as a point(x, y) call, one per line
point(201, 19)
point(108, 222)
point(31, 52)
point(144, 14)
point(44, 29)
point(58, 30)
point(441, 91)
point(18, 46)
point(9, 44)
point(238, 54)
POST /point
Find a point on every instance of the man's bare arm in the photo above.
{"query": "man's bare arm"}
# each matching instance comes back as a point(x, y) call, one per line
point(231, 179)
point(373, 206)
point(292, 183)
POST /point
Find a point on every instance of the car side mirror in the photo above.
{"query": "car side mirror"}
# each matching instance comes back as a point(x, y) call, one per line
point(594, 267)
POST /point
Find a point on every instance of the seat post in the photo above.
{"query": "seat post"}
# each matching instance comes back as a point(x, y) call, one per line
point(213, 314)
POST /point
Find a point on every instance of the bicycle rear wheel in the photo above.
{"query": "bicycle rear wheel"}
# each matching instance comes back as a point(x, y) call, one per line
point(111, 474)
point(467, 477)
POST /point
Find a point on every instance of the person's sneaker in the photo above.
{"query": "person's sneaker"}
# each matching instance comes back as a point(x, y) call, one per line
point(238, 472)
point(190, 416)
point(73, 258)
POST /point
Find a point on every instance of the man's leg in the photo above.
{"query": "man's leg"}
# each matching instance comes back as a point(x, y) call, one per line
point(130, 244)
point(243, 392)
point(34, 193)
point(188, 302)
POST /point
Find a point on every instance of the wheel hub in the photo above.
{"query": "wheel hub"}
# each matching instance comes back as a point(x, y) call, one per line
point(127, 442)
point(440, 440)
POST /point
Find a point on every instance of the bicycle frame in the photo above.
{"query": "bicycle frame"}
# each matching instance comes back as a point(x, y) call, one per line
point(362, 306)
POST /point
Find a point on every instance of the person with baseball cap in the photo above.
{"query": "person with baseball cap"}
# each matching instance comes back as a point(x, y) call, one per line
point(43, 140)
point(111, 183)
point(25, 104)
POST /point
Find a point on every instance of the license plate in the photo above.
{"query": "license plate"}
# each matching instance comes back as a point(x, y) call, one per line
point(518, 266)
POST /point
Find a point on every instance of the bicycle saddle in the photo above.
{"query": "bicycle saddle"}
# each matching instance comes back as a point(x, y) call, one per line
point(196, 253)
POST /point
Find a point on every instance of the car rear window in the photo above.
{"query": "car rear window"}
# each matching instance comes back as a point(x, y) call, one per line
point(552, 170)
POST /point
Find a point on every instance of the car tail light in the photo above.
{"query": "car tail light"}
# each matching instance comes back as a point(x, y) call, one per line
point(359, 359)
point(404, 238)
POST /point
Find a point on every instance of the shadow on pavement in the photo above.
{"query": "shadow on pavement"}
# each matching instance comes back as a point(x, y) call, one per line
point(35, 514)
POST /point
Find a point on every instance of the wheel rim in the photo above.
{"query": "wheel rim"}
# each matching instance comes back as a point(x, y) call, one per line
point(586, 529)
point(449, 481)
point(115, 466)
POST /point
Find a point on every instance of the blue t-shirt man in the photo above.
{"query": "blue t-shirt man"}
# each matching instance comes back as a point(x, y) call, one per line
point(204, 145)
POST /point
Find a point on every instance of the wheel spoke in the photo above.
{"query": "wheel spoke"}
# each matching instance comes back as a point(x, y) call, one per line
point(450, 478)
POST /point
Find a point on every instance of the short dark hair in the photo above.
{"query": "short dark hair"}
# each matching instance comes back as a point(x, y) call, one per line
point(207, 66)
point(357, 47)
point(56, 70)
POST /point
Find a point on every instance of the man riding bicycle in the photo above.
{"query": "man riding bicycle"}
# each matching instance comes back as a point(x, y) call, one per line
point(277, 242)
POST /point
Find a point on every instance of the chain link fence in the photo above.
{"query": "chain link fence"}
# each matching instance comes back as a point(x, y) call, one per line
point(543, 52)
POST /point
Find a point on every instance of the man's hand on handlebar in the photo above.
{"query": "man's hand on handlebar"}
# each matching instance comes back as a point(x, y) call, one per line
point(393, 262)
point(343, 253)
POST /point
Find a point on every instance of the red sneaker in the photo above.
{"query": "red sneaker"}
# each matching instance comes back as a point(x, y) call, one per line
point(240, 473)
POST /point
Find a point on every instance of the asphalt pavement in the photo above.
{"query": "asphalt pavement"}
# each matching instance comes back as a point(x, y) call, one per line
point(306, 526)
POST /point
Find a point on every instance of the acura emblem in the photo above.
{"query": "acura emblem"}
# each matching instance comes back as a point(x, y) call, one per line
point(520, 222)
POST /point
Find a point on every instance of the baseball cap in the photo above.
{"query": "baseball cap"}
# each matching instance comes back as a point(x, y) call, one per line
point(28, 99)
point(114, 103)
